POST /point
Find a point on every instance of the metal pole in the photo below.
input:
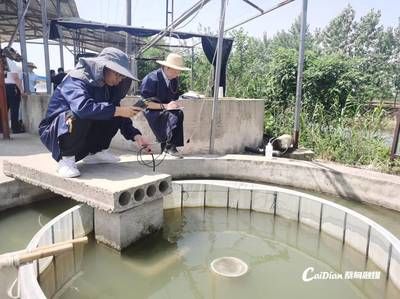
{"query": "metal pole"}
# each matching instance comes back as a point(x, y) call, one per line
point(43, 6)
point(18, 21)
point(255, 17)
point(254, 6)
point(192, 70)
point(172, 11)
point(300, 68)
point(128, 23)
point(169, 11)
point(130, 49)
point(280, 4)
point(22, 42)
point(3, 99)
point(166, 13)
point(178, 21)
point(217, 75)
point(60, 40)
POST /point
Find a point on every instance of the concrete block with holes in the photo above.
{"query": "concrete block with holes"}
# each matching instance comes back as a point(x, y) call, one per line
point(128, 199)
point(119, 230)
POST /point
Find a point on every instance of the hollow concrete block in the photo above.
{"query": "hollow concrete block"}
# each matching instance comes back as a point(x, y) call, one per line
point(119, 230)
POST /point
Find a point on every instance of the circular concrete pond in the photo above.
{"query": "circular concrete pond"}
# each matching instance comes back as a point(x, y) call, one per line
point(286, 258)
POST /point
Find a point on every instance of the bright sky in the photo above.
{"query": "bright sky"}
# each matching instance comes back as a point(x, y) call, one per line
point(151, 14)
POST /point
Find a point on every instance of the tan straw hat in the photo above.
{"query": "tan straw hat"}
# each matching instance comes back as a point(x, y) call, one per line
point(174, 61)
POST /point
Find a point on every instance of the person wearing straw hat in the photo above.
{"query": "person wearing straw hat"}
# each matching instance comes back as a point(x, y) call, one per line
point(33, 79)
point(84, 112)
point(164, 114)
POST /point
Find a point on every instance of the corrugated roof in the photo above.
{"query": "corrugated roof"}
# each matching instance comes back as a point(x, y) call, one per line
point(88, 39)
point(33, 18)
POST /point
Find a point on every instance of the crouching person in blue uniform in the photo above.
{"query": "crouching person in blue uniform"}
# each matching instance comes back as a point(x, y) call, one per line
point(164, 114)
point(84, 112)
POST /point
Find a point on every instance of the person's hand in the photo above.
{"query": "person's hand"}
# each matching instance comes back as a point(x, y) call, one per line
point(142, 143)
point(127, 111)
point(173, 105)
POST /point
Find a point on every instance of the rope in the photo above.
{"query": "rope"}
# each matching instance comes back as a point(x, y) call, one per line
point(9, 260)
point(10, 292)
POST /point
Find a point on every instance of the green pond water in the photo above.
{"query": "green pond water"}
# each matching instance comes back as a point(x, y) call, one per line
point(175, 262)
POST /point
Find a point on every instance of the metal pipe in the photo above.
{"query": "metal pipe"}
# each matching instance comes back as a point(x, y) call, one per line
point(253, 5)
point(128, 23)
point(129, 46)
point(60, 40)
point(41, 43)
point(178, 21)
point(172, 11)
point(43, 6)
point(166, 13)
point(192, 69)
point(254, 17)
point(20, 17)
point(22, 42)
point(260, 14)
point(217, 75)
point(3, 99)
point(300, 68)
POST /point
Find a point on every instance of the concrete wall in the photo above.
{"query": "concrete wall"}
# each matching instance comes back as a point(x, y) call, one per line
point(15, 193)
point(239, 123)
point(34, 108)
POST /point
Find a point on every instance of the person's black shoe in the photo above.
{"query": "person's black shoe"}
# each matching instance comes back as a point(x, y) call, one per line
point(21, 125)
point(171, 150)
point(18, 131)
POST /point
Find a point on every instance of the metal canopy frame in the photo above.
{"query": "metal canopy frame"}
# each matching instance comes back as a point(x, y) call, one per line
point(32, 28)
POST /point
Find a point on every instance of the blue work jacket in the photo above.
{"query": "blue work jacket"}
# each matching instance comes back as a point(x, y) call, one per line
point(85, 101)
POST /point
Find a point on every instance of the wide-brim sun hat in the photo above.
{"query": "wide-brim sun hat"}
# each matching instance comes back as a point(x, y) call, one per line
point(116, 60)
point(174, 61)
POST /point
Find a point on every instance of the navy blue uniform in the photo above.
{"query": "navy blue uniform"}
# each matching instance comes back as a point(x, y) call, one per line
point(167, 125)
point(94, 107)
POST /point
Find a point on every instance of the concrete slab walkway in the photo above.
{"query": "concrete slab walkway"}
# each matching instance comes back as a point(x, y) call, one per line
point(351, 183)
point(14, 192)
point(19, 145)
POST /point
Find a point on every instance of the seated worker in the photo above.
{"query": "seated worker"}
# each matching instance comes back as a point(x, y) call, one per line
point(165, 118)
point(84, 112)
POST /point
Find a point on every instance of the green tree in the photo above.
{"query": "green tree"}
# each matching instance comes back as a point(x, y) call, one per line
point(291, 38)
point(337, 36)
point(366, 33)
